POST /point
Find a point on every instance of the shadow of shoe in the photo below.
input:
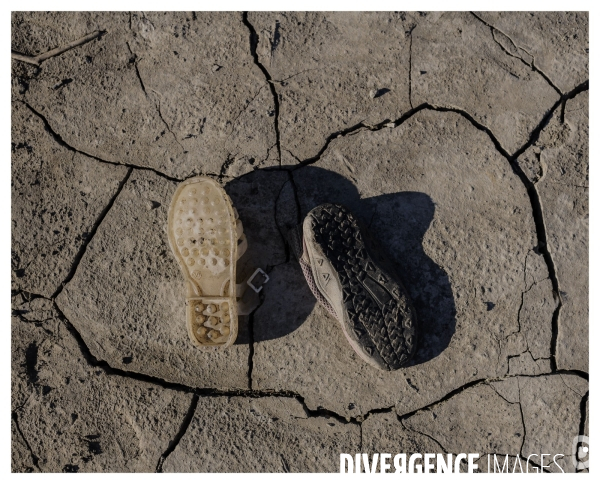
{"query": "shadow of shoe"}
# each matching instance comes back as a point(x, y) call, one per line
point(257, 196)
point(399, 221)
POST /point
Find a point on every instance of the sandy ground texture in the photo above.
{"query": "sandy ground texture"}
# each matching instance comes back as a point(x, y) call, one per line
point(459, 139)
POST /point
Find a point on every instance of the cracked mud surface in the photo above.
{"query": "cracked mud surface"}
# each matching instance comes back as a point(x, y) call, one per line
point(459, 139)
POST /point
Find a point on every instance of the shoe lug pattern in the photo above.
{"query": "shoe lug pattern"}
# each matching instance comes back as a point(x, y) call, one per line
point(378, 310)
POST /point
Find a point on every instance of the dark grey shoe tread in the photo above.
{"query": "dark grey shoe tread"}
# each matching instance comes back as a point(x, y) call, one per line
point(380, 314)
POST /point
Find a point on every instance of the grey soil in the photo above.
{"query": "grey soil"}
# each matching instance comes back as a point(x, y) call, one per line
point(459, 139)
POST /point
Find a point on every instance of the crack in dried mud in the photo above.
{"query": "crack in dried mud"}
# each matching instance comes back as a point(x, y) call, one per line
point(410, 67)
point(134, 60)
point(34, 458)
point(91, 234)
point(360, 435)
point(509, 358)
point(225, 166)
point(286, 246)
point(254, 39)
point(182, 430)
point(531, 65)
point(160, 115)
point(409, 429)
point(59, 139)
point(243, 110)
point(251, 338)
point(522, 418)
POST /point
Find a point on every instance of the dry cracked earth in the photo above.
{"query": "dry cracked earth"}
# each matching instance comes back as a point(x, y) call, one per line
point(460, 139)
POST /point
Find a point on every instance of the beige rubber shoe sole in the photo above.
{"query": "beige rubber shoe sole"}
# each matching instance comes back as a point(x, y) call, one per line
point(204, 233)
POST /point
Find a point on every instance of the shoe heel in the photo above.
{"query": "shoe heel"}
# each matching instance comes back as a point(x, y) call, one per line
point(212, 321)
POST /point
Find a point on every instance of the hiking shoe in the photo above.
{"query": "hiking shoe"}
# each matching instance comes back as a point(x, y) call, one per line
point(206, 237)
point(355, 283)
